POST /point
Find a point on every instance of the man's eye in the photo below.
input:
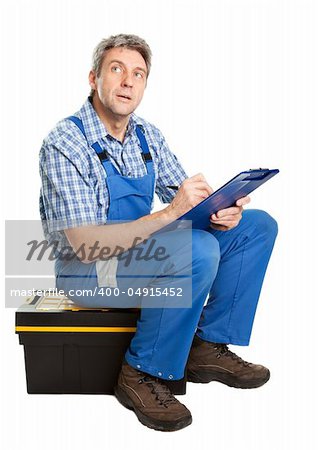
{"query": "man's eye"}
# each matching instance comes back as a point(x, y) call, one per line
point(116, 69)
point(139, 75)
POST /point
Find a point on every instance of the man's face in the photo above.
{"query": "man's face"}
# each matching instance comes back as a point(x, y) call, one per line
point(122, 81)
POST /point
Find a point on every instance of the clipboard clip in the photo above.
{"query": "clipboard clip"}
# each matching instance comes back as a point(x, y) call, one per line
point(260, 168)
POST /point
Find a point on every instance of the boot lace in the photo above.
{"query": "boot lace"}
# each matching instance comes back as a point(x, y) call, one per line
point(160, 390)
point(223, 350)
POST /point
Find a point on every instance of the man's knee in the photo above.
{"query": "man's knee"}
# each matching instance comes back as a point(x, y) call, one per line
point(263, 222)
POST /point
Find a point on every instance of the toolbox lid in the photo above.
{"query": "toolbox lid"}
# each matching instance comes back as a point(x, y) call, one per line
point(56, 313)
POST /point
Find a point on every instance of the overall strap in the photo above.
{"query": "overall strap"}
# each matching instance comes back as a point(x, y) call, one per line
point(145, 150)
point(78, 123)
point(102, 154)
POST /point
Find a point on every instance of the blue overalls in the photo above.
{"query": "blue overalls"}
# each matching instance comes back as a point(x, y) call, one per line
point(227, 270)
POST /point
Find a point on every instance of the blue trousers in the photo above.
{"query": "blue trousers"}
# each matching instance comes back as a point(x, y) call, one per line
point(227, 272)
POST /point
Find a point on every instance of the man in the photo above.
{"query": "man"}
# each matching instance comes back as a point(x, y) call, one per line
point(103, 166)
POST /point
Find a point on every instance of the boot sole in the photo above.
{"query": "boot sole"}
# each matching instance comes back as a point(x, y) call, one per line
point(205, 377)
point(160, 425)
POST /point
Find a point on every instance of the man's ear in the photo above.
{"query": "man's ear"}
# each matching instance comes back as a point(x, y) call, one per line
point(92, 79)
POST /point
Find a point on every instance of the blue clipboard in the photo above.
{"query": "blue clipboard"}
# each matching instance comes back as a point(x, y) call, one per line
point(226, 196)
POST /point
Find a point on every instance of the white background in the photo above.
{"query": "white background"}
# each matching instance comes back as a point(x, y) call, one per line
point(233, 86)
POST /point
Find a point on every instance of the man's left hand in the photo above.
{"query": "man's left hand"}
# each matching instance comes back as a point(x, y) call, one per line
point(228, 218)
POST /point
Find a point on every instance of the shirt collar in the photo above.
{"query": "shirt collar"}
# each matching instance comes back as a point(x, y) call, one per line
point(93, 126)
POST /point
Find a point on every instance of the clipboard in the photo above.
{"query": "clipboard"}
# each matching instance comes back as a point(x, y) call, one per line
point(226, 196)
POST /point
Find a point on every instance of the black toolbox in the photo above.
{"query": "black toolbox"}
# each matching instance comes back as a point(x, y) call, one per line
point(74, 350)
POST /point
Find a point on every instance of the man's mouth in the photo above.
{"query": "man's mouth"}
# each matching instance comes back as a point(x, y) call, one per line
point(123, 96)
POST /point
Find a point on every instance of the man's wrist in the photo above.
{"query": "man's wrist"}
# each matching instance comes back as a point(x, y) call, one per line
point(170, 214)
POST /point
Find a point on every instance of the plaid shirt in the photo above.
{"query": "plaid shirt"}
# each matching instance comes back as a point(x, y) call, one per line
point(74, 190)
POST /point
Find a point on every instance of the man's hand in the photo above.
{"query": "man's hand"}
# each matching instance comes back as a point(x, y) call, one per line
point(191, 192)
point(228, 218)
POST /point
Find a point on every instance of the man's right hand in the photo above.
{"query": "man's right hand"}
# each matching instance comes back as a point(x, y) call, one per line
point(191, 192)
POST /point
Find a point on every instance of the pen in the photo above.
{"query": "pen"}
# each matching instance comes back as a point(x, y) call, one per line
point(175, 188)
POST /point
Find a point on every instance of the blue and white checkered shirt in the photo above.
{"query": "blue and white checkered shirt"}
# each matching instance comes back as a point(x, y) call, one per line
point(74, 190)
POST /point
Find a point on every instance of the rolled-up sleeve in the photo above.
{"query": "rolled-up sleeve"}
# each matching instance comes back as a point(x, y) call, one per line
point(67, 193)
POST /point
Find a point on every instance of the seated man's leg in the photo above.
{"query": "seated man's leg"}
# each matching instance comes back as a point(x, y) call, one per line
point(245, 252)
point(160, 347)
point(229, 313)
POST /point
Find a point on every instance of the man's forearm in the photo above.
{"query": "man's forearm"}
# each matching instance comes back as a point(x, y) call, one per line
point(111, 239)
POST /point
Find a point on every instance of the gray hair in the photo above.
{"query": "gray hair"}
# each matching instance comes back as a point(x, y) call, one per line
point(130, 41)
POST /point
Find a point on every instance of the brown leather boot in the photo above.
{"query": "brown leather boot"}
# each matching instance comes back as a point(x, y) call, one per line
point(151, 400)
point(209, 361)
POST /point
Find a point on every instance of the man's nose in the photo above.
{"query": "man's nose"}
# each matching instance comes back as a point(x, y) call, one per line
point(127, 80)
